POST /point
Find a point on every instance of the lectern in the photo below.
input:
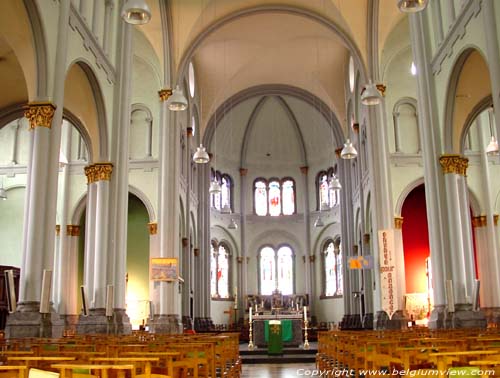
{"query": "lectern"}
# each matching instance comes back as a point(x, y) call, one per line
point(275, 344)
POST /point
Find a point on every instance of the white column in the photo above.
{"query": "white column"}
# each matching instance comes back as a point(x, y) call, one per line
point(72, 273)
point(106, 33)
point(169, 205)
point(453, 166)
point(149, 141)
point(395, 119)
point(118, 199)
point(400, 261)
point(15, 139)
point(98, 20)
point(153, 252)
point(488, 290)
point(307, 228)
point(103, 176)
point(243, 283)
point(84, 9)
point(428, 122)
point(437, 21)
point(90, 226)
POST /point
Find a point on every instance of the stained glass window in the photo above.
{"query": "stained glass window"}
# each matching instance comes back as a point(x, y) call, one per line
point(323, 191)
point(274, 198)
point(260, 197)
point(213, 271)
point(223, 272)
point(226, 192)
point(220, 264)
point(276, 270)
point(217, 196)
point(285, 270)
point(332, 256)
point(267, 271)
point(288, 197)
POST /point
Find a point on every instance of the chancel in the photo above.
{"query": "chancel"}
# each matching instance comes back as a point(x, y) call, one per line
point(215, 167)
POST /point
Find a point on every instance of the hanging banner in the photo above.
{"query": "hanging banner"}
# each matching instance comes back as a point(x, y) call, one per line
point(387, 271)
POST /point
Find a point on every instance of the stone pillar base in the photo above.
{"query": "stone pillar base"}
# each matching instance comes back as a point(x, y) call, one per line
point(464, 317)
point(492, 316)
point(437, 318)
point(165, 324)
point(368, 321)
point(70, 324)
point(28, 322)
point(397, 321)
point(98, 322)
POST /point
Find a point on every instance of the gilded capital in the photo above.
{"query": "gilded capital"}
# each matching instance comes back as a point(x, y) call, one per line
point(366, 238)
point(189, 131)
point(337, 152)
point(90, 173)
point(153, 228)
point(103, 171)
point(454, 164)
point(381, 88)
point(196, 252)
point(72, 230)
point(479, 221)
point(40, 114)
point(184, 242)
point(243, 171)
point(355, 127)
point(398, 223)
point(58, 229)
point(239, 259)
point(495, 219)
point(164, 94)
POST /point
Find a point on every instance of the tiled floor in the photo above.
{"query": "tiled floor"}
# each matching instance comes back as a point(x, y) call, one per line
point(277, 370)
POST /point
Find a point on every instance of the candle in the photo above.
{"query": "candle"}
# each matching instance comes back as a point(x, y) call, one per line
point(250, 314)
point(305, 313)
point(297, 306)
point(256, 308)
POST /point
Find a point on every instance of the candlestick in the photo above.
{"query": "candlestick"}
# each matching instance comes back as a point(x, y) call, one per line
point(306, 342)
point(251, 346)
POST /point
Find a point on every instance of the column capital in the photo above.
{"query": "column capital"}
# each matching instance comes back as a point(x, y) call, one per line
point(398, 223)
point(312, 258)
point(72, 230)
point(479, 221)
point(337, 152)
point(381, 88)
point(196, 252)
point(452, 163)
point(243, 171)
point(495, 219)
point(189, 132)
point(40, 114)
point(184, 242)
point(355, 127)
point(164, 94)
point(304, 170)
point(103, 171)
point(366, 238)
point(58, 229)
point(239, 259)
point(355, 249)
point(153, 228)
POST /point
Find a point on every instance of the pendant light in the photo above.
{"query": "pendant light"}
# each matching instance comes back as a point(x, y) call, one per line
point(214, 187)
point(319, 222)
point(334, 183)
point(201, 155)
point(232, 225)
point(136, 12)
point(412, 6)
point(492, 148)
point(370, 95)
point(348, 152)
point(177, 102)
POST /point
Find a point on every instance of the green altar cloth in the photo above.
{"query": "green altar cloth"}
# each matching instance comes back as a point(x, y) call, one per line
point(286, 330)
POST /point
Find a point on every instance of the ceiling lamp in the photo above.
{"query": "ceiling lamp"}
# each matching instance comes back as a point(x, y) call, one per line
point(492, 148)
point(348, 152)
point(232, 225)
point(201, 155)
point(214, 187)
point(334, 183)
point(177, 101)
point(370, 95)
point(412, 6)
point(319, 222)
point(136, 12)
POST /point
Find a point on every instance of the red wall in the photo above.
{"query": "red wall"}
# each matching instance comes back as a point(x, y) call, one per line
point(415, 240)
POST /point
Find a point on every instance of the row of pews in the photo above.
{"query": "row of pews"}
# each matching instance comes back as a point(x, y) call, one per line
point(140, 355)
point(416, 352)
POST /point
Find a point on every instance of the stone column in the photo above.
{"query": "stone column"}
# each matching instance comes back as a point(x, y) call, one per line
point(243, 282)
point(428, 122)
point(168, 319)
point(70, 278)
point(15, 139)
point(488, 290)
point(307, 238)
point(90, 226)
point(187, 248)
point(153, 252)
point(27, 321)
point(400, 260)
point(461, 254)
point(106, 34)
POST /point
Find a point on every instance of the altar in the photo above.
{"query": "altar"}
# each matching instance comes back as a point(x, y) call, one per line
point(291, 329)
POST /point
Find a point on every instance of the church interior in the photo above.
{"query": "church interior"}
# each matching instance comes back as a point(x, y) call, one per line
point(200, 176)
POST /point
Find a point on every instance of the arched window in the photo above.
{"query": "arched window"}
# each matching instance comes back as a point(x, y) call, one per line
point(260, 197)
point(288, 189)
point(326, 197)
point(276, 270)
point(332, 263)
point(274, 197)
point(226, 191)
point(220, 263)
